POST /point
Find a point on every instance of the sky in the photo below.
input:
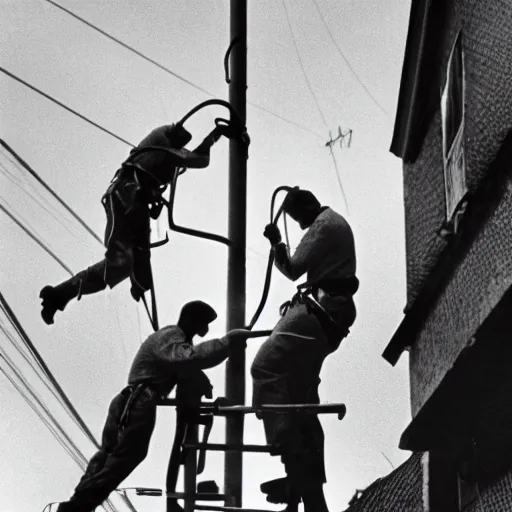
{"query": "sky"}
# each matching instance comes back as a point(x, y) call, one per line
point(91, 344)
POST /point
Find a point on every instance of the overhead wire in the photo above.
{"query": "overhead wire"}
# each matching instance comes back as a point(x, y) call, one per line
point(36, 239)
point(28, 168)
point(345, 59)
point(173, 73)
point(62, 105)
point(50, 421)
point(37, 356)
point(314, 96)
point(299, 57)
point(35, 196)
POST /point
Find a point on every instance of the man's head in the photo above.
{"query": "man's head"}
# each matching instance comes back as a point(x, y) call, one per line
point(178, 136)
point(302, 206)
point(195, 318)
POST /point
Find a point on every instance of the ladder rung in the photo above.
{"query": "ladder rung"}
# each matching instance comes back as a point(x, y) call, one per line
point(198, 496)
point(223, 410)
point(229, 509)
point(258, 448)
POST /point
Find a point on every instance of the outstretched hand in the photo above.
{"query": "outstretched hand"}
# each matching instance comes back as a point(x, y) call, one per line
point(273, 234)
point(238, 337)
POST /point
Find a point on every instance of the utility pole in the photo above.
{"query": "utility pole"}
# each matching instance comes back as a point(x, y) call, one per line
point(235, 370)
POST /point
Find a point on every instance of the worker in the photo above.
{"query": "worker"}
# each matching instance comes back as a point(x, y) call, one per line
point(133, 197)
point(167, 358)
point(286, 369)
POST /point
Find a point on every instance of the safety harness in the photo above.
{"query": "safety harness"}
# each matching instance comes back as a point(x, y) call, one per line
point(153, 194)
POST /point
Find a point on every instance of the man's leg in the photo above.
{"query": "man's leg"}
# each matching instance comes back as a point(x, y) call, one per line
point(286, 370)
point(130, 450)
point(117, 265)
point(108, 439)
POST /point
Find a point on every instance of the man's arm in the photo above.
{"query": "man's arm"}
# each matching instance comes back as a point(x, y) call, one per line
point(199, 158)
point(209, 353)
point(285, 263)
point(311, 248)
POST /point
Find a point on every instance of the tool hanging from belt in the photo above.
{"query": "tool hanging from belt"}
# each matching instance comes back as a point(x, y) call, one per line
point(135, 392)
point(307, 294)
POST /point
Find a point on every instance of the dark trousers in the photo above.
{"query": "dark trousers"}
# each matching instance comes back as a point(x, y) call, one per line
point(286, 370)
point(127, 243)
point(122, 449)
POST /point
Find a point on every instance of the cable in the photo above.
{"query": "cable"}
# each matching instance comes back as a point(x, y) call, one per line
point(346, 60)
point(51, 191)
point(339, 179)
point(169, 71)
point(51, 98)
point(130, 48)
point(37, 240)
point(52, 423)
point(317, 103)
point(47, 371)
point(302, 65)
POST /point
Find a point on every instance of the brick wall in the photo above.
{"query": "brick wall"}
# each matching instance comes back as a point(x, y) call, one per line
point(400, 491)
point(476, 287)
point(496, 497)
point(486, 25)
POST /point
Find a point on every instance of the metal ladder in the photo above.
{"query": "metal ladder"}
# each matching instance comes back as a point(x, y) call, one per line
point(188, 451)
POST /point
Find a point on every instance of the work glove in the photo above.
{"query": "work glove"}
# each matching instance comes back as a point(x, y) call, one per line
point(192, 387)
point(273, 234)
point(232, 130)
point(229, 129)
point(204, 385)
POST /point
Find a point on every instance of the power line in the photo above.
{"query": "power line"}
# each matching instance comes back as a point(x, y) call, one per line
point(130, 48)
point(28, 342)
point(339, 179)
point(172, 73)
point(311, 90)
point(55, 427)
point(317, 103)
point(51, 98)
point(50, 190)
point(37, 240)
point(347, 62)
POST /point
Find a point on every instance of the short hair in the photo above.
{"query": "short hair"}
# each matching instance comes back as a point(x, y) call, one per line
point(197, 311)
point(299, 202)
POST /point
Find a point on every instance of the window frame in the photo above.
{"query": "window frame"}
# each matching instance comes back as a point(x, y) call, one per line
point(454, 162)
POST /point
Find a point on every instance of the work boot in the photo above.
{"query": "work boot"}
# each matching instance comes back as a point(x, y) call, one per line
point(56, 298)
point(278, 491)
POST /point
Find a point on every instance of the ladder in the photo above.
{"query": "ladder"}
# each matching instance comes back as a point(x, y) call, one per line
point(188, 451)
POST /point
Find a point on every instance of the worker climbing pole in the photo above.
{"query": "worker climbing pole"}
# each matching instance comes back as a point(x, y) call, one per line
point(133, 197)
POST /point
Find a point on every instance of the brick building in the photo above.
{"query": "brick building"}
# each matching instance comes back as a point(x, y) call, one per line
point(453, 132)
point(400, 491)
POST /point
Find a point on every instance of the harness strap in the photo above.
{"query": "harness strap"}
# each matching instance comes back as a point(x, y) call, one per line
point(307, 295)
point(135, 392)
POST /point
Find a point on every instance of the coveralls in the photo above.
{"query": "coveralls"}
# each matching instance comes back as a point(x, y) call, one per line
point(165, 360)
point(129, 202)
point(286, 369)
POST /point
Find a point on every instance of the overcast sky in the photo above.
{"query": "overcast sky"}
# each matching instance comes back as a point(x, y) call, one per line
point(91, 344)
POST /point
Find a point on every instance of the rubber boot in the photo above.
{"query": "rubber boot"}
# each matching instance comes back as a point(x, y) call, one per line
point(56, 298)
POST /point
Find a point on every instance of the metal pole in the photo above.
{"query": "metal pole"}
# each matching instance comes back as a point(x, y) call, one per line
point(235, 370)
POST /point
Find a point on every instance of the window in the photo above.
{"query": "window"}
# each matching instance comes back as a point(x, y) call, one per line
point(452, 113)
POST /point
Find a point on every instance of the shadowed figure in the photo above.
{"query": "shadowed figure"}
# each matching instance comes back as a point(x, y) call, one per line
point(133, 197)
point(168, 358)
point(286, 369)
